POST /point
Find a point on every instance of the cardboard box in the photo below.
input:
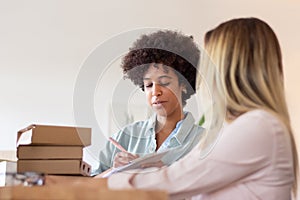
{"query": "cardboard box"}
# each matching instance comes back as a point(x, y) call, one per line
point(6, 168)
point(66, 167)
point(54, 135)
point(49, 152)
point(10, 155)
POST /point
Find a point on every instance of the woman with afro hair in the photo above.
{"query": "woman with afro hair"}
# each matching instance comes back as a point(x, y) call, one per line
point(164, 65)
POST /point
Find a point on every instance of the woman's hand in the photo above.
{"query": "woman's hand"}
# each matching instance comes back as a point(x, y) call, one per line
point(123, 158)
point(158, 164)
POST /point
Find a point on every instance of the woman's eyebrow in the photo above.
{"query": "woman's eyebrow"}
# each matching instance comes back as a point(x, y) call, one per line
point(164, 76)
point(160, 77)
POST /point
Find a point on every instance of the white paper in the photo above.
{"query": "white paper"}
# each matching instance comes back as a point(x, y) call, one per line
point(140, 162)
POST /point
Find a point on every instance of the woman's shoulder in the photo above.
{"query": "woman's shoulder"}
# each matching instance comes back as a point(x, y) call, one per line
point(139, 124)
point(138, 128)
point(260, 115)
point(259, 120)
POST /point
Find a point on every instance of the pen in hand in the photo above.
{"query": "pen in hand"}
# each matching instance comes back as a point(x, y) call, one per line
point(117, 144)
point(122, 158)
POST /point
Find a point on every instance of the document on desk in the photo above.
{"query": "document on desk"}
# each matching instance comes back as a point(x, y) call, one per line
point(139, 163)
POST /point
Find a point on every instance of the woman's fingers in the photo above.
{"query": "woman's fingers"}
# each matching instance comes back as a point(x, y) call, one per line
point(123, 158)
point(158, 164)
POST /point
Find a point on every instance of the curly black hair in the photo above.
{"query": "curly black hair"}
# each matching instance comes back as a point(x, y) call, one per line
point(170, 48)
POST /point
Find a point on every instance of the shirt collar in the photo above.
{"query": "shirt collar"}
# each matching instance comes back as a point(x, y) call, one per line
point(150, 129)
point(186, 125)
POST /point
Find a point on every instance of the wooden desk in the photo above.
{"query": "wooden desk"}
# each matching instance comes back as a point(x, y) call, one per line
point(51, 180)
point(90, 188)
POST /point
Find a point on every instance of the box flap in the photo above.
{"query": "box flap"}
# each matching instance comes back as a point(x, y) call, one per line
point(25, 135)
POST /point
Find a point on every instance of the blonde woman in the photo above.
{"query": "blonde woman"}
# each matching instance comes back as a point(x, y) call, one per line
point(255, 157)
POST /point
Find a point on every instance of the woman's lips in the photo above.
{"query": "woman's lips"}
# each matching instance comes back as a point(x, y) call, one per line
point(158, 103)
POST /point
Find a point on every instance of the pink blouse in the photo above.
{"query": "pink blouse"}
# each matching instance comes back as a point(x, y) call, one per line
point(252, 160)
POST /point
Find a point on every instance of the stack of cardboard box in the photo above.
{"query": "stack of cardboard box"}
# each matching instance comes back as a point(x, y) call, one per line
point(53, 149)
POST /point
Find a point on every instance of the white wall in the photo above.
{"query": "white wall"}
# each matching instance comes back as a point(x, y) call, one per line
point(45, 44)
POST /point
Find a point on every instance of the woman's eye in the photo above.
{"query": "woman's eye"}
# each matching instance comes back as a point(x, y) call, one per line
point(148, 85)
point(164, 84)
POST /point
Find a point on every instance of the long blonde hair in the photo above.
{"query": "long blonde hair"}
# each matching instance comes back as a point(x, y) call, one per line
point(248, 73)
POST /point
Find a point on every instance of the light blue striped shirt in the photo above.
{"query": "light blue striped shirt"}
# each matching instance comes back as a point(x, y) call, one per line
point(139, 138)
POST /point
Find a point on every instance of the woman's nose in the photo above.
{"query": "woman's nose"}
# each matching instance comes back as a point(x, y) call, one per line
point(156, 90)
